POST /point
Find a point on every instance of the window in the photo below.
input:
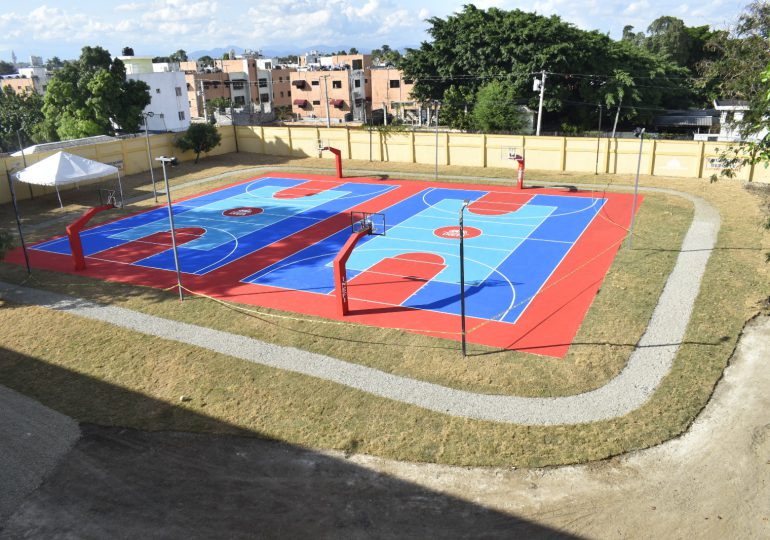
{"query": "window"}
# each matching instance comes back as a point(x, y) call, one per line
point(280, 79)
point(314, 83)
point(358, 64)
point(178, 90)
point(336, 84)
point(357, 83)
point(281, 93)
point(268, 65)
point(263, 83)
point(395, 83)
point(288, 94)
point(239, 100)
point(316, 102)
point(181, 115)
point(238, 85)
point(264, 98)
point(408, 81)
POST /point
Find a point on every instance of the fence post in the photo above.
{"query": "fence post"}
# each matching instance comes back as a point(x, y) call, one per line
point(484, 150)
point(653, 151)
point(563, 167)
point(701, 159)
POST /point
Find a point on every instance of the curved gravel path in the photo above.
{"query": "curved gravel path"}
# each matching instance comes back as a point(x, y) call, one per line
point(650, 361)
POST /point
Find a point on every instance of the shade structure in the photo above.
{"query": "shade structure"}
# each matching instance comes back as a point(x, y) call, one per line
point(300, 102)
point(62, 169)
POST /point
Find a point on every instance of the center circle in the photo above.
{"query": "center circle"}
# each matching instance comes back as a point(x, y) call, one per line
point(453, 232)
point(242, 211)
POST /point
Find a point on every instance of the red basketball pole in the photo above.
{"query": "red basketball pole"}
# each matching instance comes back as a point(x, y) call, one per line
point(520, 182)
point(340, 275)
point(73, 234)
point(338, 158)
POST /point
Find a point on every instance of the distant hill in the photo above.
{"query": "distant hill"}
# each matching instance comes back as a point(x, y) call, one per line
point(215, 53)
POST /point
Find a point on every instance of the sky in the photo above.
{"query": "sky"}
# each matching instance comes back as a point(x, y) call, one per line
point(159, 27)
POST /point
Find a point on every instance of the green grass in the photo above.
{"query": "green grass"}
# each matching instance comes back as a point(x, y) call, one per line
point(231, 395)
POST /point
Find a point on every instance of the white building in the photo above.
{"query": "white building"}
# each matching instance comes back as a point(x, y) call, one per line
point(168, 93)
point(39, 77)
point(732, 112)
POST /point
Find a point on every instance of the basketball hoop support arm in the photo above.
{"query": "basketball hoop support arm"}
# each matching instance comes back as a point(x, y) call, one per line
point(73, 234)
point(340, 274)
point(337, 157)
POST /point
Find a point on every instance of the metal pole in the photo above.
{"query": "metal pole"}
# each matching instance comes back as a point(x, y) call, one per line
point(149, 153)
point(462, 276)
point(636, 188)
point(598, 140)
point(540, 107)
point(171, 221)
point(24, 159)
point(18, 222)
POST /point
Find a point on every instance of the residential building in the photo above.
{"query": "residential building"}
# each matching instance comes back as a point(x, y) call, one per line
point(335, 87)
point(18, 83)
point(168, 93)
point(393, 94)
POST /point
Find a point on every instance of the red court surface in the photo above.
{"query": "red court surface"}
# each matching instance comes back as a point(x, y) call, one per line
point(535, 258)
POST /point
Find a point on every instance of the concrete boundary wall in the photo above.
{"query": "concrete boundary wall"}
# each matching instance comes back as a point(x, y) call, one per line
point(687, 159)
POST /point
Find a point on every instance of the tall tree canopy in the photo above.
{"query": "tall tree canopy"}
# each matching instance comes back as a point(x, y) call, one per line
point(19, 112)
point(91, 96)
point(475, 46)
point(739, 57)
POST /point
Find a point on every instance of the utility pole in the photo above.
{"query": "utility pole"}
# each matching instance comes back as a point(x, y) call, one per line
point(540, 107)
point(326, 100)
point(203, 99)
point(617, 116)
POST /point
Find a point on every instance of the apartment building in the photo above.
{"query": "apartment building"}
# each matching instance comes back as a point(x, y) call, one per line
point(253, 84)
point(392, 93)
point(169, 102)
point(333, 87)
point(28, 79)
point(18, 83)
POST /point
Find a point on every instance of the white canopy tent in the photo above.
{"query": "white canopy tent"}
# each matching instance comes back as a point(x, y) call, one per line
point(62, 169)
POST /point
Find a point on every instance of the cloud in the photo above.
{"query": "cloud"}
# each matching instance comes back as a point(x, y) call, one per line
point(133, 6)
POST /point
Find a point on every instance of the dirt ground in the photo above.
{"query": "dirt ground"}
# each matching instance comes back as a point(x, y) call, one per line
point(713, 482)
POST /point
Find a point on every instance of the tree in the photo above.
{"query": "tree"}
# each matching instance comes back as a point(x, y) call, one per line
point(199, 138)
point(127, 51)
point(386, 55)
point(91, 96)
point(20, 112)
point(739, 58)
point(353, 50)
point(54, 63)
point(496, 108)
point(6, 68)
point(206, 60)
point(474, 46)
point(668, 37)
point(178, 56)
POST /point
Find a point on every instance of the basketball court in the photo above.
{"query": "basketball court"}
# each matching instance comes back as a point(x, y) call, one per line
point(533, 258)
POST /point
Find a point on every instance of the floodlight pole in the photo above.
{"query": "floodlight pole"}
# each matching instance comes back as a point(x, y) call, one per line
point(639, 132)
point(150, 114)
point(462, 275)
point(163, 160)
point(18, 222)
point(437, 105)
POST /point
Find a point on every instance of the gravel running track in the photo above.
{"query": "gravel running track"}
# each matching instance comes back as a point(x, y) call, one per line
point(650, 361)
